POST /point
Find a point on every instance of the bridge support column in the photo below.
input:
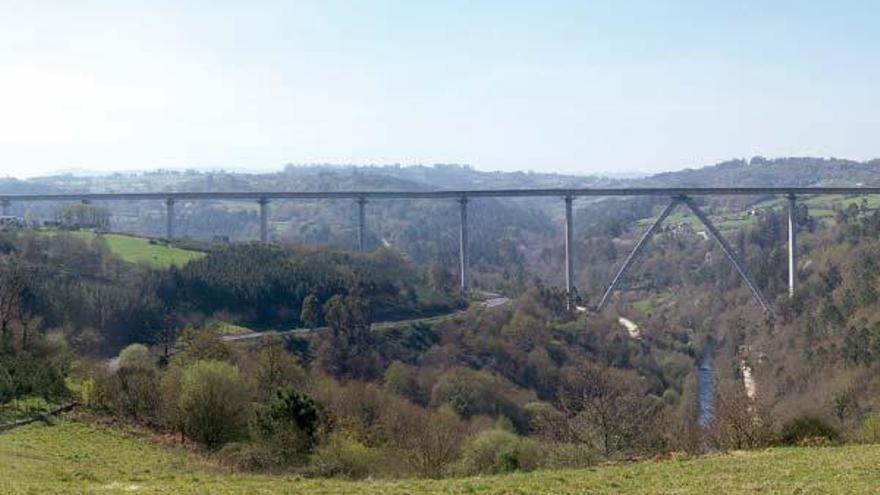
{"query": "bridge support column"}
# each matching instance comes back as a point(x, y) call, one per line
point(731, 254)
point(362, 223)
point(169, 218)
point(463, 245)
point(5, 205)
point(606, 297)
point(569, 265)
point(264, 219)
point(792, 244)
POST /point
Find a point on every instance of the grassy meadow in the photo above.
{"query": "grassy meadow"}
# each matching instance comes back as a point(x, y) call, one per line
point(73, 457)
point(140, 250)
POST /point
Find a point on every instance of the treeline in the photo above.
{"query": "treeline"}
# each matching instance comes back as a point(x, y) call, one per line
point(100, 302)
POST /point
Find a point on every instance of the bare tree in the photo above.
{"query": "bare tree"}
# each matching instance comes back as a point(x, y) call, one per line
point(606, 408)
point(739, 422)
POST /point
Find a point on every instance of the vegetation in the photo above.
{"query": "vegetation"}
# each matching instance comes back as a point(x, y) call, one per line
point(75, 457)
point(135, 249)
point(522, 387)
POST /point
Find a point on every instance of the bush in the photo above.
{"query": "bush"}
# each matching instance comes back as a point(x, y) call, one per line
point(343, 457)
point(286, 427)
point(869, 432)
point(808, 430)
point(136, 356)
point(248, 456)
point(497, 451)
point(133, 391)
point(129, 392)
point(24, 375)
point(213, 403)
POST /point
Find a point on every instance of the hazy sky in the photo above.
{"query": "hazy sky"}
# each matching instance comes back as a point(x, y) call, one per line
point(574, 86)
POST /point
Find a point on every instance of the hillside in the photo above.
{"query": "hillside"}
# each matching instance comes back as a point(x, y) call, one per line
point(511, 240)
point(74, 457)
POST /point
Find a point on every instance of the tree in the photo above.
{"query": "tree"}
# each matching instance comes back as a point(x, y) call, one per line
point(606, 408)
point(436, 445)
point(11, 288)
point(275, 367)
point(310, 314)
point(133, 391)
point(347, 350)
point(289, 424)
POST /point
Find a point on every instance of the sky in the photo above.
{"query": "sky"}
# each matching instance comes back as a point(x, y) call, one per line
point(567, 86)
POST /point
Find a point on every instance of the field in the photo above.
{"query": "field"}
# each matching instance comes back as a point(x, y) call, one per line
point(820, 207)
point(72, 457)
point(140, 250)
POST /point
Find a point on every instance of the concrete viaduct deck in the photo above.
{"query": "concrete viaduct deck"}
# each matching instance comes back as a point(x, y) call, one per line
point(677, 195)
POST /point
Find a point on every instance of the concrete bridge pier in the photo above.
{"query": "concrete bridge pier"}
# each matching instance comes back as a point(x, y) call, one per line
point(5, 206)
point(792, 244)
point(169, 218)
point(569, 265)
point(264, 219)
point(362, 223)
point(463, 245)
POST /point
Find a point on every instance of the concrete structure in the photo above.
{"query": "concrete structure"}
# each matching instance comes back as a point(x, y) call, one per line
point(569, 259)
point(169, 218)
point(681, 195)
point(362, 223)
point(463, 244)
point(264, 219)
point(792, 244)
point(5, 206)
point(635, 252)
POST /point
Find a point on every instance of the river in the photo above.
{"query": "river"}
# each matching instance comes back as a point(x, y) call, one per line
point(706, 386)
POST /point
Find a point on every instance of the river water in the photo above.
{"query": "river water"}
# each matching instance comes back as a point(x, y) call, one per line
point(706, 387)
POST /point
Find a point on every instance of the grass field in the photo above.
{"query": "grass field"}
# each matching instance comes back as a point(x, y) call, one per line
point(73, 457)
point(140, 250)
point(820, 207)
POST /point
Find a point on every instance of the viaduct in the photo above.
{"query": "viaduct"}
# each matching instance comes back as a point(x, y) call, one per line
point(677, 196)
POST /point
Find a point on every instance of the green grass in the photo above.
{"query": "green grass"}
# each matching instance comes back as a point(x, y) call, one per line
point(139, 249)
point(820, 207)
point(73, 457)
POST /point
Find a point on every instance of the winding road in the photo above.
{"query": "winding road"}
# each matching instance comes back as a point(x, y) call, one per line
point(491, 300)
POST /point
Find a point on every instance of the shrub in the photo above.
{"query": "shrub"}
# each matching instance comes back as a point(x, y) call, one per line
point(497, 451)
point(807, 430)
point(134, 390)
point(287, 426)
point(136, 356)
point(435, 446)
point(341, 456)
point(248, 456)
point(869, 432)
point(213, 403)
point(24, 375)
